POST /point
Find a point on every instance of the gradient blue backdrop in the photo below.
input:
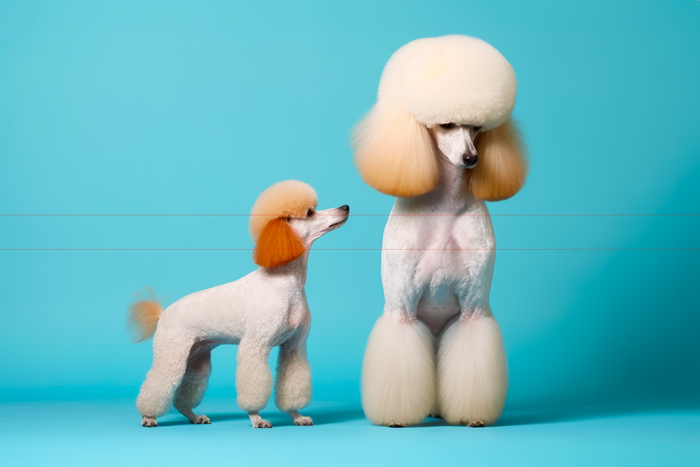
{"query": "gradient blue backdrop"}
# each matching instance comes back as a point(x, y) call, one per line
point(128, 107)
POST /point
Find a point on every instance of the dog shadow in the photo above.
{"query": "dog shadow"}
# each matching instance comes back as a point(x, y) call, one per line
point(537, 415)
point(325, 417)
point(574, 413)
point(511, 417)
point(215, 418)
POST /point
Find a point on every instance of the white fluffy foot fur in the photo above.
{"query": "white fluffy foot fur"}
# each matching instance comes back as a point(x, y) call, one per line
point(257, 421)
point(149, 422)
point(300, 420)
point(472, 372)
point(398, 373)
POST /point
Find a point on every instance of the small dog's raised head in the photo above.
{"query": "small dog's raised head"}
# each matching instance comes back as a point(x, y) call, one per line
point(452, 93)
point(284, 222)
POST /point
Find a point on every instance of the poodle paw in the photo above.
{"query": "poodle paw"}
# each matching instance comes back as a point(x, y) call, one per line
point(476, 424)
point(396, 425)
point(303, 421)
point(262, 424)
point(149, 422)
point(201, 420)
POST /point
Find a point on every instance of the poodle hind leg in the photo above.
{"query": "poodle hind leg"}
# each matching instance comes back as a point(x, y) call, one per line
point(472, 371)
point(193, 386)
point(398, 373)
point(170, 353)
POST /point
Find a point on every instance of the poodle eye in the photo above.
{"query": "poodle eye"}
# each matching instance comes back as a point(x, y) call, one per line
point(477, 128)
point(447, 126)
point(310, 213)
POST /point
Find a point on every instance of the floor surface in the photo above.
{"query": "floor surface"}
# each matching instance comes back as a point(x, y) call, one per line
point(109, 433)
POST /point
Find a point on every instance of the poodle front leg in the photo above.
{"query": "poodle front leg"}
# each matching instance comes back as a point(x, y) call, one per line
point(472, 371)
point(254, 380)
point(293, 387)
point(398, 372)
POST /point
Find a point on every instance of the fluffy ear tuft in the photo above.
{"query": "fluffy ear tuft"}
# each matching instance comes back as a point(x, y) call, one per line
point(277, 245)
point(394, 153)
point(502, 166)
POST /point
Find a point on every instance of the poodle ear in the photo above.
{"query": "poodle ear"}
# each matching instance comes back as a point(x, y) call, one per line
point(277, 245)
point(394, 153)
point(502, 166)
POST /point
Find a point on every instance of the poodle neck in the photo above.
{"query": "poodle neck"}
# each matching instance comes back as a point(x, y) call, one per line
point(452, 180)
point(295, 270)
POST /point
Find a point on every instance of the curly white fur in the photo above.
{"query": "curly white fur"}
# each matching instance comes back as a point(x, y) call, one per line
point(264, 309)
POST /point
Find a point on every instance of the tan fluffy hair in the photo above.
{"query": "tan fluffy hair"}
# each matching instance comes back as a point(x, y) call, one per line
point(143, 316)
point(396, 155)
point(502, 167)
point(276, 244)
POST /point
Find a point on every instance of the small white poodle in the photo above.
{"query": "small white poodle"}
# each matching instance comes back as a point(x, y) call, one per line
point(264, 309)
point(441, 140)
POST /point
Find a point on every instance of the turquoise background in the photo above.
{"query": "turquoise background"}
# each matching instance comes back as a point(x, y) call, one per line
point(172, 107)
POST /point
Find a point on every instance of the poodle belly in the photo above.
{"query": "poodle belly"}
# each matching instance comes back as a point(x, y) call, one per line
point(437, 311)
point(437, 274)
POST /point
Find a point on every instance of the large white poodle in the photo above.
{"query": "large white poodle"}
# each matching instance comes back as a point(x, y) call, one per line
point(441, 140)
point(264, 309)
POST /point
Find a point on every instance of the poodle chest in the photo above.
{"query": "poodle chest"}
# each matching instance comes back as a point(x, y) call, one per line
point(447, 259)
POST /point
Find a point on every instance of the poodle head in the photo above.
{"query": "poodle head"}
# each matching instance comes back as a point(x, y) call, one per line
point(455, 91)
point(284, 222)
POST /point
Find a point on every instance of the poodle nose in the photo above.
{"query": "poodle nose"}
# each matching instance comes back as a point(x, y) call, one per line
point(470, 160)
point(345, 207)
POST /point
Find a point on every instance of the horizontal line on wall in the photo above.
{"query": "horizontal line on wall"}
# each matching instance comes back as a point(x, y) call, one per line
point(353, 215)
point(356, 249)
